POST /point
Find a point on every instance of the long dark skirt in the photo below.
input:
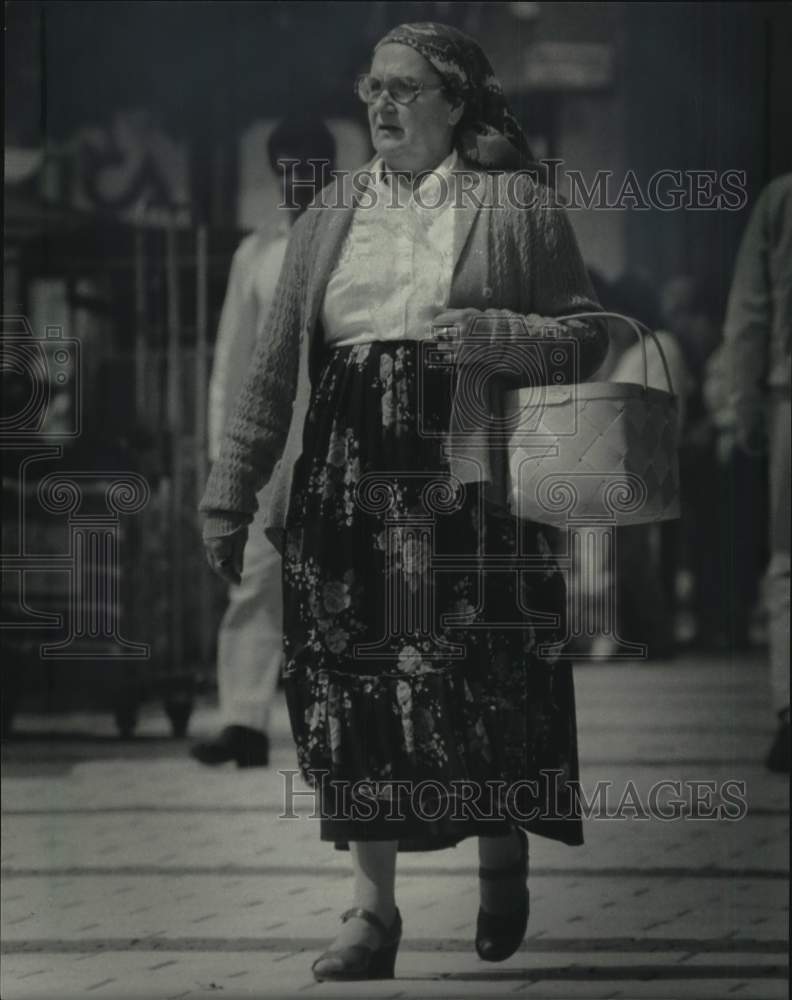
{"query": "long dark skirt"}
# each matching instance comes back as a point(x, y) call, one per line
point(421, 707)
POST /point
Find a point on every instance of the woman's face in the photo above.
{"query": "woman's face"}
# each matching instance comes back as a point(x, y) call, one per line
point(416, 136)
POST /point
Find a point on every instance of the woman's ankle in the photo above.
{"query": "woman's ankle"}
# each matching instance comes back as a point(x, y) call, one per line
point(502, 893)
point(383, 908)
point(374, 878)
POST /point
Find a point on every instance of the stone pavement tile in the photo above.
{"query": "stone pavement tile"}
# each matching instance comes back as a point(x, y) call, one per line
point(736, 960)
point(624, 908)
point(163, 975)
point(682, 704)
point(197, 858)
point(229, 907)
point(565, 975)
point(149, 769)
point(174, 785)
point(646, 908)
point(103, 838)
point(646, 744)
point(644, 974)
point(159, 782)
point(439, 974)
point(674, 989)
point(682, 844)
point(36, 977)
point(152, 975)
point(603, 718)
point(766, 796)
point(760, 989)
point(529, 965)
point(197, 839)
point(205, 720)
point(545, 990)
point(124, 907)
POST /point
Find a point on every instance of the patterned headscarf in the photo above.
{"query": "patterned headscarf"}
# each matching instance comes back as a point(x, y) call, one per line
point(488, 134)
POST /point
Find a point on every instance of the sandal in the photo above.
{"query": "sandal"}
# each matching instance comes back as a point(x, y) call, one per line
point(358, 961)
point(499, 935)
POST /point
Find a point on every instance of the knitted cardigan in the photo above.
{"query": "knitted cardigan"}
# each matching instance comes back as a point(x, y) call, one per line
point(514, 252)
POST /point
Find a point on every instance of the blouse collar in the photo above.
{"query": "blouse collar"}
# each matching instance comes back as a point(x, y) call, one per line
point(432, 186)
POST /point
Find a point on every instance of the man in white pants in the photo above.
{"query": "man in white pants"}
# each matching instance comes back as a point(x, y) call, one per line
point(250, 639)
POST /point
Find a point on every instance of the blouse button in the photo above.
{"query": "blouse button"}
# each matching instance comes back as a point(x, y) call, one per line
point(487, 292)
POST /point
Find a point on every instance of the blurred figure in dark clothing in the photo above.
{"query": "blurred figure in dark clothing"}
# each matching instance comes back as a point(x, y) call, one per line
point(689, 310)
point(721, 494)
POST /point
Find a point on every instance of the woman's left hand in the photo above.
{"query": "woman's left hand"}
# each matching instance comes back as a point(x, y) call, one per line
point(496, 325)
point(454, 324)
point(500, 326)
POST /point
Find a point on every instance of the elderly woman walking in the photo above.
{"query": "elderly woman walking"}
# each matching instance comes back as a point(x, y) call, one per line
point(412, 644)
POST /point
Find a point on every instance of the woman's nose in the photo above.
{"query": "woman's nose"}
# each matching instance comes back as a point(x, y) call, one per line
point(383, 98)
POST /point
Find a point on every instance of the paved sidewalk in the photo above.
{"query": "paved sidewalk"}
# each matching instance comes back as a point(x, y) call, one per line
point(131, 872)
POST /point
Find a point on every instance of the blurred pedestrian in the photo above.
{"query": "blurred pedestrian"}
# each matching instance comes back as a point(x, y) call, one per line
point(250, 637)
point(737, 513)
point(722, 574)
point(757, 336)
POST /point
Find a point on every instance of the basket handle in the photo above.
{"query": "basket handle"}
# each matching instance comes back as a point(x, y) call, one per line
point(641, 331)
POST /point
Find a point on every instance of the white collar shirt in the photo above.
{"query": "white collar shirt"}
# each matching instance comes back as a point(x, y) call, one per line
point(395, 267)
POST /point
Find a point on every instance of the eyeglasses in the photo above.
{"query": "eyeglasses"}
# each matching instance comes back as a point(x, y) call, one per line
point(402, 89)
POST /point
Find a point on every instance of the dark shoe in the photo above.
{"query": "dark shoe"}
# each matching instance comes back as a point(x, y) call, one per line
point(778, 757)
point(248, 747)
point(357, 961)
point(499, 935)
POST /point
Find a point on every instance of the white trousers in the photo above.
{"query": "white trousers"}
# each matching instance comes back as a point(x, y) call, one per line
point(250, 640)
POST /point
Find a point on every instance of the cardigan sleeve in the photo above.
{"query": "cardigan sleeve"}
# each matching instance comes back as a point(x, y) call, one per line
point(548, 252)
point(235, 343)
point(257, 430)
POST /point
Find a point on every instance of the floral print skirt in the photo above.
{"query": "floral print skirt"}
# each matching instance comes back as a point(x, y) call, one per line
point(420, 705)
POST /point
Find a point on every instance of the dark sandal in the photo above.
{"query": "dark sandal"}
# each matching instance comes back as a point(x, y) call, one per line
point(358, 961)
point(499, 935)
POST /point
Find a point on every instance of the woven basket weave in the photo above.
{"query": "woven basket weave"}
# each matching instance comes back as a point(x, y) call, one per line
point(602, 452)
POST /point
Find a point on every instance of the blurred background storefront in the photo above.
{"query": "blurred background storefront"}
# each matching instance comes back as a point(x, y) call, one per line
point(135, 159)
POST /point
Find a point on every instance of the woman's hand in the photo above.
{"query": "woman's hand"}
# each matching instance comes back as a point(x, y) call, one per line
point(454, 324)
point(501, 325)
point(505, 340)
point(226, 554)
point(473, 333)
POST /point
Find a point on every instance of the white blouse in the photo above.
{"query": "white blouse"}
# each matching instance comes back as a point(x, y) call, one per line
point(394, 272)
